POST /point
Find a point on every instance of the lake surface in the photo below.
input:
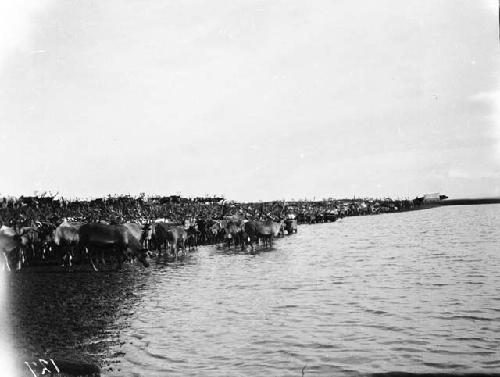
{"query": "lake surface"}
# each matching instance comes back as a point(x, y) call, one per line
point(416, 291)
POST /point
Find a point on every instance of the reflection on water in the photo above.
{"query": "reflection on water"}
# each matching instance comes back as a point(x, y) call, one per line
point(417, 291)
point(75, 316)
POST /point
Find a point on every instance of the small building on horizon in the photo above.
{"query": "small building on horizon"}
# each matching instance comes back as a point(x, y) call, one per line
point(433, 198)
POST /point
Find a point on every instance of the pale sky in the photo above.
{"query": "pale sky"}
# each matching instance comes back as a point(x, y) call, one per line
point(250, 99)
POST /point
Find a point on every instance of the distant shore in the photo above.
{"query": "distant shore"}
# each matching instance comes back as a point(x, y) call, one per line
point(467, 201)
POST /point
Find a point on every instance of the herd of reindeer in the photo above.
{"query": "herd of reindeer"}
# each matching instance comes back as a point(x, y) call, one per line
point(102, 244)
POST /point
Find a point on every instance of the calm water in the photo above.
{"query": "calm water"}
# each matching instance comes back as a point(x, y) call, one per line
point(417, 291)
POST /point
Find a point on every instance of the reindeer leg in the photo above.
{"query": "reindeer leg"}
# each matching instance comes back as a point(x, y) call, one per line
point(92, 264)
point(89, 254)
point(103, 261)
point(121, 255)
point(6, 261)
point(70, 256)
point(20, 260)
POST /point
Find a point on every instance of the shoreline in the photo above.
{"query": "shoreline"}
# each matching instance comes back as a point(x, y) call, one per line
point(469, 201)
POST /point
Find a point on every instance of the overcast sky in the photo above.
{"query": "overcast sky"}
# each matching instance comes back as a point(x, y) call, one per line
point(250, 99)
